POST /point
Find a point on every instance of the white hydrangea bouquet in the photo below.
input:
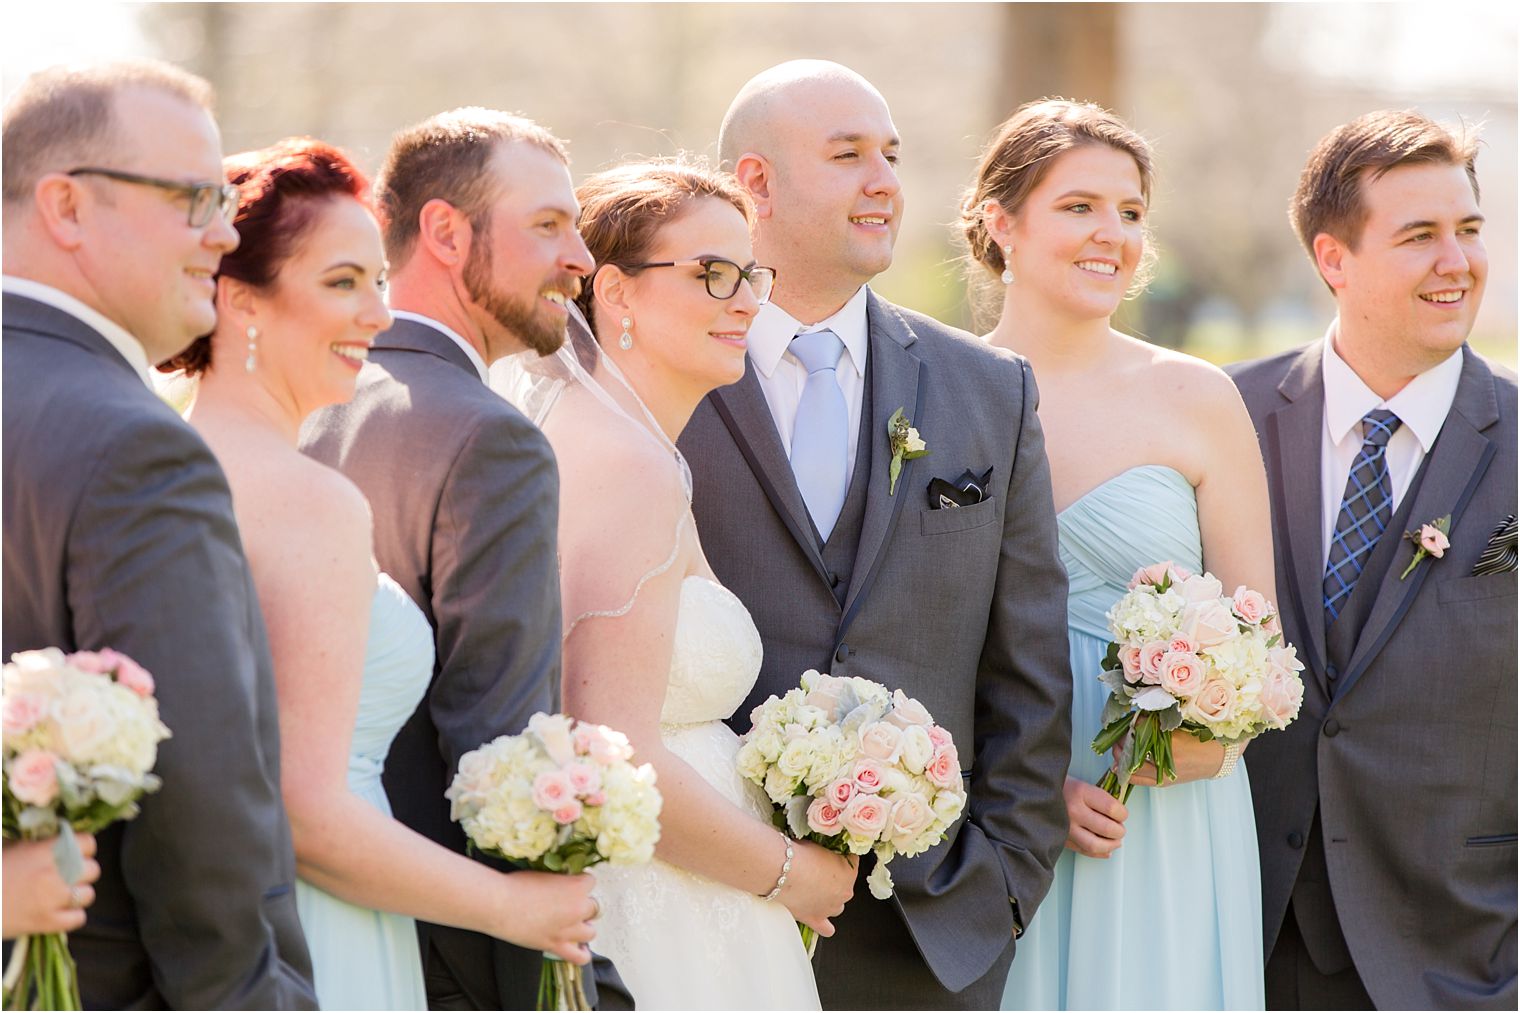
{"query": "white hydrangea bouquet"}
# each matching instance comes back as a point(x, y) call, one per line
point(1187, 656)
point(855, 768)
point(560, 797)
point(81, 735)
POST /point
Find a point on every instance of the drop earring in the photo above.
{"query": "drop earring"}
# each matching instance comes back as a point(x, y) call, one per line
point(626, 341)
point(251, 363)
point(1007, 267)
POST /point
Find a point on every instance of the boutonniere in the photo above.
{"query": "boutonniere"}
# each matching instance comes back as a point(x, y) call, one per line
point(1430, 540)
point(906, 444)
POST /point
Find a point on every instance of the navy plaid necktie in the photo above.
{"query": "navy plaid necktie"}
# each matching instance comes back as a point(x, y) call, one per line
point(1366, 509)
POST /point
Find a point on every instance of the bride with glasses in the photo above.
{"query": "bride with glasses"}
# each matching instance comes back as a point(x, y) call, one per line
point(653, 644)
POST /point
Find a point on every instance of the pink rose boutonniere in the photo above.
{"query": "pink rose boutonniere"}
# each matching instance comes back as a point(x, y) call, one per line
point(1430, 540)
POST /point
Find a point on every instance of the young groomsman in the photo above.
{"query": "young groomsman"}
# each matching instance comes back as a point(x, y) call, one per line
point(851, 569)
point(119, 529)
point(1386, 813)
point(478, 214)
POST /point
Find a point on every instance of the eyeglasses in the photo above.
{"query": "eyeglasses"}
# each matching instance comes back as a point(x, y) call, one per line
point(206, 199)
point(723, 276)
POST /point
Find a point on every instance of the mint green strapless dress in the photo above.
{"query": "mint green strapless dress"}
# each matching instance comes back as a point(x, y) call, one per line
point(1171, 920)
point(364, 959)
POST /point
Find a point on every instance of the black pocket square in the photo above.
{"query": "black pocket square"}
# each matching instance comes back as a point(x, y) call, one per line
point(1499, 555)
point(968, 490)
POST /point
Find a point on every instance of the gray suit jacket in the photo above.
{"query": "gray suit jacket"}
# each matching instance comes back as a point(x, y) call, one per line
point(1409, 749)
point(119, 533)
point(465, 495)
point(963, 608)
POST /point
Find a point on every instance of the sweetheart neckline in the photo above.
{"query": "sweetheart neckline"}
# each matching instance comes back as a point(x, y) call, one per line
point(1111, 480)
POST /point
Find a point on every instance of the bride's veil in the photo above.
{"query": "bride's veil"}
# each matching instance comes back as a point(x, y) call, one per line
point(625, 490)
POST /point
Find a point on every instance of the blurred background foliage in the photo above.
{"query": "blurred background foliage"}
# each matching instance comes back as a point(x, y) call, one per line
point(1231, 95)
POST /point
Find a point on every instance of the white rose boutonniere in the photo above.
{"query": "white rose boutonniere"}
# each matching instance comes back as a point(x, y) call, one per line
point(905, 443)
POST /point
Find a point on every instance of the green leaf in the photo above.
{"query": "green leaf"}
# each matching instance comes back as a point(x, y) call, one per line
point(1116, 708)
point(893, 470)
point(1170, 718)
point(1111, 657)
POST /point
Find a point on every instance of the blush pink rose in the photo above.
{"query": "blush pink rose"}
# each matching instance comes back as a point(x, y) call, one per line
point(1213, 704)
point(1433, 541)
point(1182, 674)
point(1150, 662)
point(938, 736)
point(133, 676)
point(868, 775)
point(1153, 574)
point(34, 777)
point(584, 778)
point(1129, 660)
point(1208, 623)
point(1183, 644)
point(1282, 693)
point(606, 747)
point(910, 816)
point(944, 768)
point(1200, 587)
point(22, 711)
point(825, 694)
point(567, 812)
point(94, 662)
point(839, 793)
point(597, 797)
point(907, 711)
point(823, 818)
point(866, 815)
point(552, 789)
point(1273, 624)
point(881, 740)
point(1250, 606)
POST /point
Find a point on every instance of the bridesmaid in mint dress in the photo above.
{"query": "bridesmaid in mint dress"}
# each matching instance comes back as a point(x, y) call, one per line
point(298, 304)
point(1156, 905)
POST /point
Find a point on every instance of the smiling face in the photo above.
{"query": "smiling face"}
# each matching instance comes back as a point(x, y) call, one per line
point(525, 265)
point(1409, 292)
point(149, 270)
point(681, 332)
point(1080, 234)
point(833, 203)
point(327, 303)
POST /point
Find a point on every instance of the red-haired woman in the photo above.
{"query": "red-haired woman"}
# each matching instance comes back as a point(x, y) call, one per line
point(298, 304)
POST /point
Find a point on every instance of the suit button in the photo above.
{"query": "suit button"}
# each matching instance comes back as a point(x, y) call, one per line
point(1295, 840)
point(833, 579)
point(1331, 672)
point(842, 653)
point(1332, 728)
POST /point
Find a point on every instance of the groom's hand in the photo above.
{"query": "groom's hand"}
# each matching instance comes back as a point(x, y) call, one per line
point(1097, 819)
point(550, 912)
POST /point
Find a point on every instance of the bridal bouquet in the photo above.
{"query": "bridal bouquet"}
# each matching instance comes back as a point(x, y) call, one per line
point(81, 735)
point(855, 768)
point(560, 797)
point(1187, 656)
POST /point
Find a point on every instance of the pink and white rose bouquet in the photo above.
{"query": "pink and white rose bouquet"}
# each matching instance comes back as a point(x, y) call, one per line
point(560, 797)
point(1186, 655)
point(81, 734)
point(856, 769)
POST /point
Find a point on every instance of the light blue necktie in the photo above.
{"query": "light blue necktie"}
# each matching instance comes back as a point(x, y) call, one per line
point(821, 433)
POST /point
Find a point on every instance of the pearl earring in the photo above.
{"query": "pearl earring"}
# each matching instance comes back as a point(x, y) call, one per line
point(1007, 266)
point(626, 341)
point(251, 363)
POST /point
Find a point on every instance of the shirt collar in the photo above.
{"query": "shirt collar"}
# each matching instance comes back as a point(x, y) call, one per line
point(120, 338)
point(774, 328)
point(1422, 405)
point(469, 349)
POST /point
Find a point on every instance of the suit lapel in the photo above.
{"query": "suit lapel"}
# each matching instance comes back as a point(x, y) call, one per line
point(1455, 466)
point(744, 410)
point(896, 382)
point(1294, 432)
point(415, 336)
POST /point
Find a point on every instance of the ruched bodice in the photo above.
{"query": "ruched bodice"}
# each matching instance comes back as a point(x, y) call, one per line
point(716, 658)
point(1188, 856)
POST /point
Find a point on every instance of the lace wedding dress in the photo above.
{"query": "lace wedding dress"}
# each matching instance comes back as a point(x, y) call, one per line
point(680, 940)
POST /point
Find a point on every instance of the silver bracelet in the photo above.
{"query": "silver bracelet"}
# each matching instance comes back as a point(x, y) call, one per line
point(786, 868)
point(1231, 758)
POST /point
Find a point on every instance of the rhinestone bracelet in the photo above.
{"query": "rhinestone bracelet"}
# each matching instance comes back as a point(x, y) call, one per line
point(1231, 758)
point(786, 868)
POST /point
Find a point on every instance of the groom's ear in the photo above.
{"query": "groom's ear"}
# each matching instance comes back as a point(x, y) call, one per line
point(754, 174)
point(1329, 257)
point(443, 232)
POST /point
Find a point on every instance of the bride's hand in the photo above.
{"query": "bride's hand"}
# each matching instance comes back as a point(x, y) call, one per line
point(549, 912)
point(818, 886)
point(1097, 819)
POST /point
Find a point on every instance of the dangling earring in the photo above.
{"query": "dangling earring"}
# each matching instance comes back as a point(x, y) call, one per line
point(1007, 266)
point(626, 341)
point(251, 363)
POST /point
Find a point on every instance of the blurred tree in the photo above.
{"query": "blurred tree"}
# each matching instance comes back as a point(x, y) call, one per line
point(1060, 49)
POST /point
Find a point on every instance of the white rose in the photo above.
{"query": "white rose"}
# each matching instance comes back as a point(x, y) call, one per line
point(553, 733)
point(916, 748)
point(1200, 588)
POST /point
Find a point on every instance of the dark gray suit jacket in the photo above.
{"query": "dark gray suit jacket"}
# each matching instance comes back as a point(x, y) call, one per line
point(1409, 751)
point(963, 608)
point(465, 495)
point(119, 533)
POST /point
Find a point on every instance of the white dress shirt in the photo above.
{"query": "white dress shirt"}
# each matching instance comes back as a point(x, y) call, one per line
point(130, 348)
point(469, 349)
point(782, 375)
point(1421, 406)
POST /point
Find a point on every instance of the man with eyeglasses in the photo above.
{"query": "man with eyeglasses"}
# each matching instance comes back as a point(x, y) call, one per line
point(119, 529)
point(936, 575)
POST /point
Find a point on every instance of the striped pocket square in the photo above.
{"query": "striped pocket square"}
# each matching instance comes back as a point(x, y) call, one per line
point(1499, 555)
